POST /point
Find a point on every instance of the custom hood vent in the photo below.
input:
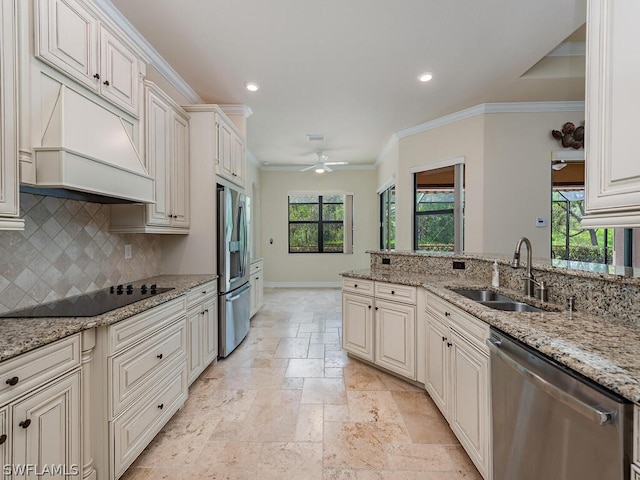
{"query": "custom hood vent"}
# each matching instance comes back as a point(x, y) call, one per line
point(87, 154)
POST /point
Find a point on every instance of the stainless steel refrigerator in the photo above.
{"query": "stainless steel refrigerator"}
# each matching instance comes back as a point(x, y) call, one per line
point(234, 290)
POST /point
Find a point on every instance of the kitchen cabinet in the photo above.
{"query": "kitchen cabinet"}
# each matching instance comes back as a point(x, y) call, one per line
point(202, 329)
point(612, 180)
point(457, 376)
point(380, 327)
point(635, 466)
point(71, 38)
point(167, 157)
point(140, 382)
point(9, 193)
point(257, 285)
point(230, 150)
point(39, 404)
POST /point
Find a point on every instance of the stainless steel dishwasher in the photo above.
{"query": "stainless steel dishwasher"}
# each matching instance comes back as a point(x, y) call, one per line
point(551, 423)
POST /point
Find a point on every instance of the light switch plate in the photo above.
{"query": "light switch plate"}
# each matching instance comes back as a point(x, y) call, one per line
point(541, 222)
point(127, 252)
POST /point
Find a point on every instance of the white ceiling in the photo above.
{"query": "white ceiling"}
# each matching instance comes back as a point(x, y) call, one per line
point(348, 68)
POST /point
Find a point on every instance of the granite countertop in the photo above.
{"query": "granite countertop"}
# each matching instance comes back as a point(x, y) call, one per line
point(606, 350)
point(19, 335)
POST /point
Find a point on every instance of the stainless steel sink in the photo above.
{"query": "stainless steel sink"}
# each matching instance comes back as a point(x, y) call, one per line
point(496, 300)
point(483, 295)
point(512, 306)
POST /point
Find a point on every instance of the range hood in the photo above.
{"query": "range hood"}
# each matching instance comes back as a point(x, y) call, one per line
point(87, 153)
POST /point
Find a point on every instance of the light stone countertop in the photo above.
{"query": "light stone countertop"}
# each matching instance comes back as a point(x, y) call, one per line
point(606, 350)
point(19, 335)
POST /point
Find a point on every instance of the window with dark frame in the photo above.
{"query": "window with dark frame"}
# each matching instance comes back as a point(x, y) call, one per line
point(316, 223)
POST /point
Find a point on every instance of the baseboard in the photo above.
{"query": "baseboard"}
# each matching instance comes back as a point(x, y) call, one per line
point(302, 285)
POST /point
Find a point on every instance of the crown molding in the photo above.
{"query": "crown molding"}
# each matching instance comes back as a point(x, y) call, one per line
point(393, 141)
point(156, 60)
point(486, 108)
point(243, 110)
point(298, 168)
point(252, 158)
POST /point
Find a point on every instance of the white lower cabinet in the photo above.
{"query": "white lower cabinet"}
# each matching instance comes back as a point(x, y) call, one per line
point(379, 329)
point(457, 376)
point(40, 426)
point(257, 286)
point(202, 329)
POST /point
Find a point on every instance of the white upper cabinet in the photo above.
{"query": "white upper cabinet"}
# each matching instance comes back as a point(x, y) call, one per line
point(70, 38)
point(612, 102)
point(230, 151)
point(9, 198)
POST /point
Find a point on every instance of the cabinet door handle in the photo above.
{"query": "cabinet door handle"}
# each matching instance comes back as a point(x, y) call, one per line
point(159, 356)
point(444, 339)
point(13, 381)
point(447, 314)
point(25, 424)
point(3, 438)
point(449, 344)
point(206, 310)
point(161, 406)
point(204, 292)
point(393, 292)
point(97, 76)
point(106, 82)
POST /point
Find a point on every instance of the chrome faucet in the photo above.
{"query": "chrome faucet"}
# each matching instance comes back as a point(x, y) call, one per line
point(529, 281)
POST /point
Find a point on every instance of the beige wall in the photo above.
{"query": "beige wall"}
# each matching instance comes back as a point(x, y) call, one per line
point(281, 267)
point(387, 165)
point(517, 178)
point(461, 139)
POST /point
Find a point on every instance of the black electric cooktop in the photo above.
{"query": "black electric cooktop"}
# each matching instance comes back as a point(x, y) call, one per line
point(90, 304)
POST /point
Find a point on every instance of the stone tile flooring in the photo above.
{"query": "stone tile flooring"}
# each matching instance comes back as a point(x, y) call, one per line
point(290, 404)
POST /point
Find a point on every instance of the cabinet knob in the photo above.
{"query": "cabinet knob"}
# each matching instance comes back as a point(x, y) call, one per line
point(447, 314)
point(355, 285)
point(369, 306)
point(106, 82)
point(3, 438)
point(25, 424)
point(393, 292)
point(449, 344)
point(159, 356)
point(376, 308)
point(13, 381)
point(97, 76)
point(161, 406)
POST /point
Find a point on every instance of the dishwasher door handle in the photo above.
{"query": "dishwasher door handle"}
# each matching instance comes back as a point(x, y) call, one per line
point(591, 412)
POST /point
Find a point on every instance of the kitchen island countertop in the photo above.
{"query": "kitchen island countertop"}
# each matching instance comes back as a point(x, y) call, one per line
point(605, 350)
point(19, 335)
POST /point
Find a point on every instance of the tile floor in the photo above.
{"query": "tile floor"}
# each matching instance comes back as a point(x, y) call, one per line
point(290, 404)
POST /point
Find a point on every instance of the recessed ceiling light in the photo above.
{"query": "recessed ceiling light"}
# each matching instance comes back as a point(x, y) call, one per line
point(252, 86)
point(425, 77)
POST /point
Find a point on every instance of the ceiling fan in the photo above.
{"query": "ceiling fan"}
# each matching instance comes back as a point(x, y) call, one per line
point(322, 165)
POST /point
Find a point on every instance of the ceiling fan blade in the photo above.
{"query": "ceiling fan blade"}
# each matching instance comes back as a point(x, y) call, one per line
point(327, 168)
point(336, 163)
point(308, 168)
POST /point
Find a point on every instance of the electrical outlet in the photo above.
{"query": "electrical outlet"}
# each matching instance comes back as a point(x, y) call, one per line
point(386, 261)
point(128, 254)
point(458, 265)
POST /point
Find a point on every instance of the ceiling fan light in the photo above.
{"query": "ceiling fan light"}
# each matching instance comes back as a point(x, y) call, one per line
point(319, 169)
point(252, 86)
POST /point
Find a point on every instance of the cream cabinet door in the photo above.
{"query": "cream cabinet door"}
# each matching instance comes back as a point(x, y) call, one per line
point(210, 333)
point(180, 171)
point(9, 195)
point(357, 325)
point(437, 368)
point(469, 412)
point(120, 72)
point(195, 343)
point(68, 39)
point(4, 440)
point(224, 160)
point(612, 102)
point(158, 162)
point(238, 160)
point(46, 429)
point(395, 326)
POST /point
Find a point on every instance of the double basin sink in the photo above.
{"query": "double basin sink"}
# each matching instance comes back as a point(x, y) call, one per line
point(496, 300)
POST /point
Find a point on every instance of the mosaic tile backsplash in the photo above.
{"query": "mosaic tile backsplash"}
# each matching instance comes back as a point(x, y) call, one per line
point(65, 250)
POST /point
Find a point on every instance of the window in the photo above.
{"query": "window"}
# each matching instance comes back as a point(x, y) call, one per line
point(320, 223)
point(388, 218)
point(438, 209)
point(569, 241)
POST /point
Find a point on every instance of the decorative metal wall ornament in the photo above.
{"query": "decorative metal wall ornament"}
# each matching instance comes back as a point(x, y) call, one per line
point(570, 136)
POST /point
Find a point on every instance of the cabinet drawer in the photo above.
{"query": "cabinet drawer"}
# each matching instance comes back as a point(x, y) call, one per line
point(476, 330)
point(135, 428)
point(199, 293)
point(357, 285)
point(397, 293)
point(255, 267)
point(132, 371)
point(129, 331)
point(34, 368)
